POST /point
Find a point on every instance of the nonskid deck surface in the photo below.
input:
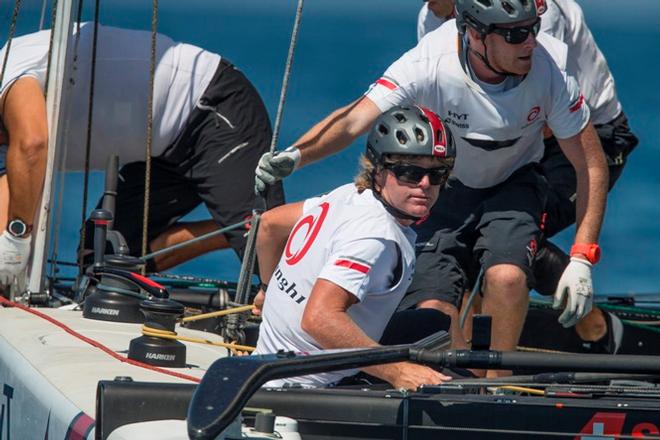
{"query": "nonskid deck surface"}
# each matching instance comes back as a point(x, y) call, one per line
point(74, 367)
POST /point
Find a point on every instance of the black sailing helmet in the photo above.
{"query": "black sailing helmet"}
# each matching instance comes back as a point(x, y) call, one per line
point(413, 131)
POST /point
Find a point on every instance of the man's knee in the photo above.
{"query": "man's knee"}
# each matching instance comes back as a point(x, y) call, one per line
point(33, 148)
point(447, 308)
point(506, 279)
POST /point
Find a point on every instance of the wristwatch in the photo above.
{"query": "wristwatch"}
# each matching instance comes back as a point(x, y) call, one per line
point(591, 251)
point(18, 228)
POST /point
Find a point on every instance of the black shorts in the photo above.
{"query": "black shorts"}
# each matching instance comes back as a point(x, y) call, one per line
point(617, 141)
point(472, 228)
point(212, 161)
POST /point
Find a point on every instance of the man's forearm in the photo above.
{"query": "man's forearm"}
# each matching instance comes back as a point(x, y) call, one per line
point(337, 131)
point(338, 330)
point(592, 182)
point(274, 230)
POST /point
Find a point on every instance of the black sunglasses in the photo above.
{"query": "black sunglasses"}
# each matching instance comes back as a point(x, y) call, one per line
point(518, 34)
point(414, 174)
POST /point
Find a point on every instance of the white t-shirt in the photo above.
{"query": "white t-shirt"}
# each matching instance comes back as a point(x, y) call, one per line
point(564, 21)
point(427, 21)
point(495, 133)
point(121, 89)
point(349, 239)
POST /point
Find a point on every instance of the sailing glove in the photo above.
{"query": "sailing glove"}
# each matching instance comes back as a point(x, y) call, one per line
point(274, 167)
point(14, 253)
point(576, 289)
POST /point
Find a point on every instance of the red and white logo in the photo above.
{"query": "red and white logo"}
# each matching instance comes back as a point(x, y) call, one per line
point(533, 113)
point(541, 7)
point(609, 425)
point(304, 233)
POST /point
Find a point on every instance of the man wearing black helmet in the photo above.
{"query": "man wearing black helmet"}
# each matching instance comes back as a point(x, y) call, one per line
point(565, 21)
point(337, 276)
point(496, 89)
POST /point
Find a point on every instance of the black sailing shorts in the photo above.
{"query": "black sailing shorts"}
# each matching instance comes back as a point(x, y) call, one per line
point(471, 228)
point(212, 161)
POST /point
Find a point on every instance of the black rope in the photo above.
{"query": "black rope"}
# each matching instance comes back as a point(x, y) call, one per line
point(53, 17)
point(88, 142)
point(287, 74)
point(150, 123)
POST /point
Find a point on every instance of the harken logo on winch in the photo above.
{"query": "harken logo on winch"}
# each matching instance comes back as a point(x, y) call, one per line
point(304, 233)
point(160, 356)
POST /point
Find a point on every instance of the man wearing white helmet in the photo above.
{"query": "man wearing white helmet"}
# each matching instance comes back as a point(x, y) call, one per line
point(337, 276)
point(496, 89)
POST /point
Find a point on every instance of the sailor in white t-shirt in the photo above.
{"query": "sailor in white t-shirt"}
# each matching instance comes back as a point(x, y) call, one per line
point(432, 14)
point(208, 122)
point(496, 89)
point(337, 279)
point(564, 20)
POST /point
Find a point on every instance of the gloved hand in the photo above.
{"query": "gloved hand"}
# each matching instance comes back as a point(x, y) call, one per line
point(14, 253)
point(276, 166)
point(575, 287)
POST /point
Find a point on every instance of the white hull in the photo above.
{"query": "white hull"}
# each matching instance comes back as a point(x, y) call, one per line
point(49, 377)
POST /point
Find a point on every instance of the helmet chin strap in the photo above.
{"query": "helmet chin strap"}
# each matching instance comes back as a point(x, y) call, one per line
point(395, 212)
point(484, 58)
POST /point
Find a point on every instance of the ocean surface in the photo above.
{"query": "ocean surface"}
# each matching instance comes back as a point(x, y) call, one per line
point(346, 44)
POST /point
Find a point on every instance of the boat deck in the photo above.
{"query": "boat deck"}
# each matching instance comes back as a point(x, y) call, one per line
point(74, 367)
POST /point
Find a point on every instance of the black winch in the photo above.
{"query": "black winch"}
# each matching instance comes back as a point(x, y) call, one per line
point(160, 315)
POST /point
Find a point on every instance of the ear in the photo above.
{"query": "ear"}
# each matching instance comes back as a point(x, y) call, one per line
point(379, 179)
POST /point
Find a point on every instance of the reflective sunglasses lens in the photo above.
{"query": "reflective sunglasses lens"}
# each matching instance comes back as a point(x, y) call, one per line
point(439, 177)
point(409, 174)
point(414, 174)
point(518, 35)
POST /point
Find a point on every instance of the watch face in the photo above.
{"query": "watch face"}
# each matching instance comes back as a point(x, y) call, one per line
point(17, 228)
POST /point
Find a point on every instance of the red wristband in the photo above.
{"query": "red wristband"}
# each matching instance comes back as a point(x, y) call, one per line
point(591, 251)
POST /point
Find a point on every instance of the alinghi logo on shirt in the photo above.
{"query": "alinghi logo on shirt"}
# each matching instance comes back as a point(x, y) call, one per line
point(289, 289)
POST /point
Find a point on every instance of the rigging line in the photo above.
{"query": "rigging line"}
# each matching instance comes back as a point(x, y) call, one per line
point(57, 217)
point(287, 74)
point(88, 140)
point(150, 123)
point(195, 240)
point(53, 17)
point(10, 36)
point(475, 290)
point(43, 14)
point(247, 266)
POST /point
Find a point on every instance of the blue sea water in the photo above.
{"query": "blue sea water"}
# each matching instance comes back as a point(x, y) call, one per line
point(343, 46)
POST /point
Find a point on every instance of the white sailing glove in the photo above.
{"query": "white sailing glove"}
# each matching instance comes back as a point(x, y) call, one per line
point(576, 288)
point(14, 253)
point(276, 166)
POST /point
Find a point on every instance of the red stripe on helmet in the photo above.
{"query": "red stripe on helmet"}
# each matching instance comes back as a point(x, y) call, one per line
point(439, 133)
point(389, 84)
